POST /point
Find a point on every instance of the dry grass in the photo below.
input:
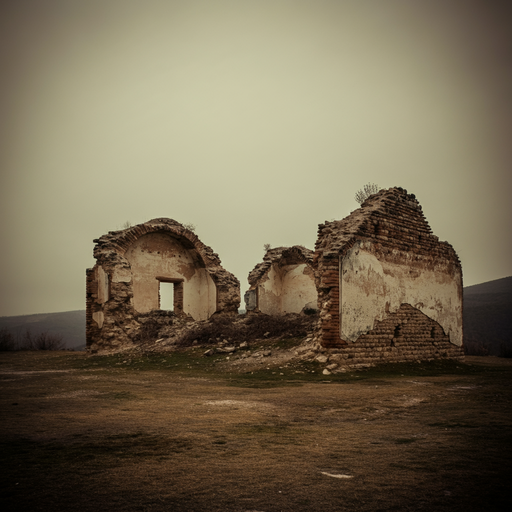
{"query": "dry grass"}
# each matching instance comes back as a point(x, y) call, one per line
point(249, 328)
point(175, 432)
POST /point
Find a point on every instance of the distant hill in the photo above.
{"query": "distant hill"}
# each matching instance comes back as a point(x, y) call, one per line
point(488, 318)
point(69, 324)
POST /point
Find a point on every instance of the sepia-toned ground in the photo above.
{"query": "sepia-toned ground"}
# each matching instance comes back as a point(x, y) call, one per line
point(181, 432)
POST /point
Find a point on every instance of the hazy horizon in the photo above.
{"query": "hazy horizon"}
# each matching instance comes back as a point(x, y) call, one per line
point(254, 121)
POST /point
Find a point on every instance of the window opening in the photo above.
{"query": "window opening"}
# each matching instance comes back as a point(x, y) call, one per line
point(166, 296)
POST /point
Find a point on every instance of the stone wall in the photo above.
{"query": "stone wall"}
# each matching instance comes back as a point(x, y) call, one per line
point(283, 283)
point(379, 258)
point(122, 296)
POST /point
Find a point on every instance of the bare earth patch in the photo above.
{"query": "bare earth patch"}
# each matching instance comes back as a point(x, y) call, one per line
point(186, 433)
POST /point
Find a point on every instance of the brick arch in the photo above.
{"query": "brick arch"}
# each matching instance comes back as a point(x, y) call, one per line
point(121, 241)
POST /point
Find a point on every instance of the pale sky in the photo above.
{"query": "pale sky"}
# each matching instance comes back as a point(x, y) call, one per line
point(254, 120)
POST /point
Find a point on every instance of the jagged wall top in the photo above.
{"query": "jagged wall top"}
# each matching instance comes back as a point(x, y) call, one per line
point(392, 217)
point(119, 241)
point(281, 256)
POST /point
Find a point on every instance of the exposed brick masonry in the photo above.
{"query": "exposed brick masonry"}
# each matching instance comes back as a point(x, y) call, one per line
point(393, 220)
point(407, 335)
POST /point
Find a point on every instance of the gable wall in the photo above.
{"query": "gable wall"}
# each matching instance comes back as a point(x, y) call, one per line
point(390, 257)
point(406, 335)
point(373, 286)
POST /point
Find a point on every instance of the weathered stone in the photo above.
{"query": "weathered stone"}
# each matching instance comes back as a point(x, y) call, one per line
point(251, 300)
point(123, 288)
point(225, 350)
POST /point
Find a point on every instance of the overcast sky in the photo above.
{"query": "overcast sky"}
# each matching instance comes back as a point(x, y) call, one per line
point(253, 120)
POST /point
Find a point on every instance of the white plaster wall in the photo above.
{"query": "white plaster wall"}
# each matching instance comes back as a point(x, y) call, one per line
point(158, 254)
point(269, 292)
point(371, 289)
point(298, 288)
point(286, 289)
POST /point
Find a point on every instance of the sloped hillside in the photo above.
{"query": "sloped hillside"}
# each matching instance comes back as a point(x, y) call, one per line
point(69, 324)
point(488, 318)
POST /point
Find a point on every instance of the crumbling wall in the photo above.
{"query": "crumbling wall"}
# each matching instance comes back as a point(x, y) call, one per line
point(379, 258)
point(406, 335)
point(375, 284)
point(122, 304)
point(283, 282)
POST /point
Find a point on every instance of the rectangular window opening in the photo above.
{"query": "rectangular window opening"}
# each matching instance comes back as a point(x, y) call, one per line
point(167, 296)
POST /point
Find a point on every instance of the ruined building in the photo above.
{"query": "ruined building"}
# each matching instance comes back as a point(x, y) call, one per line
point(388, 289)
point(283, 283)
point(132, 266)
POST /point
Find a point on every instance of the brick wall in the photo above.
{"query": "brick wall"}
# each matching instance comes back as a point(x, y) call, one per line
point(394, 222)
point(407, 335)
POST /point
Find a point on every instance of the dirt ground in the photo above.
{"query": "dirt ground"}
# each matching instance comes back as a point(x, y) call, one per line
point(181, 432)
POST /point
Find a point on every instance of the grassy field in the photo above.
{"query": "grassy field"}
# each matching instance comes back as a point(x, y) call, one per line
point(182, 432)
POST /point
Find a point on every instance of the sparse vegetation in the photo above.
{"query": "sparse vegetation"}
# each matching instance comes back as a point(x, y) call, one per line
point(248, 328)
point(266, 247)
point(363, 194)
point(28, 341)
point(190, 227)
point(7, 341)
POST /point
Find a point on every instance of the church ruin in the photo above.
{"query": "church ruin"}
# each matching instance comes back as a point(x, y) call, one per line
point(124, 288)
point(385, 288)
